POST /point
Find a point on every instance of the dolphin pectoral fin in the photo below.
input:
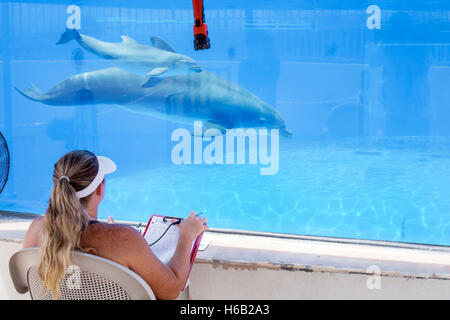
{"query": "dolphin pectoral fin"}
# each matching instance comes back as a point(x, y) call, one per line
point(151, 82)
point(211, 129)
point(285, 132)
point(157, 71)
point(129, 41)
point(161, 44)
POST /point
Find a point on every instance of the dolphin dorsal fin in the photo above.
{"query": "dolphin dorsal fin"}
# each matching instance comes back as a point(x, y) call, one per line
point(161, 44)
point(128, 40)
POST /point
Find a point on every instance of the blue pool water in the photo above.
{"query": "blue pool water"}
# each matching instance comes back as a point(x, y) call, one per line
point(369, 109)
point(386, 189)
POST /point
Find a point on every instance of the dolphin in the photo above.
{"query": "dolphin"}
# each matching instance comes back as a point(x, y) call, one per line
point(217, 102)
point(132, 55)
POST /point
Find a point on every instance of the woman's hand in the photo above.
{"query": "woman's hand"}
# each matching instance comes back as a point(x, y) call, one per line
point(192, 226)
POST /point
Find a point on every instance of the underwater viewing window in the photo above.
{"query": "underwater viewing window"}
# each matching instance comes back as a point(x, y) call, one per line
point(319, 118)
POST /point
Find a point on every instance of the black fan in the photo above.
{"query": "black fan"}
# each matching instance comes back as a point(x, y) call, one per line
point(4, 162)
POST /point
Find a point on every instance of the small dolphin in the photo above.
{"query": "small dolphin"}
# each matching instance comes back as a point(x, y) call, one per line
point(183, 98)
point(134, 56)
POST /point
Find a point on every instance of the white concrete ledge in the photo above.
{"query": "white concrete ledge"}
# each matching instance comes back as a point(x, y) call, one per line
point(252, 265)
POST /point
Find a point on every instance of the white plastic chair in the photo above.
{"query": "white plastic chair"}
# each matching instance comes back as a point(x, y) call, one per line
point(88, 278)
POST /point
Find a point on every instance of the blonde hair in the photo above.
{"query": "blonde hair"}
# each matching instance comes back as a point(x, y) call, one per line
point(66, 218)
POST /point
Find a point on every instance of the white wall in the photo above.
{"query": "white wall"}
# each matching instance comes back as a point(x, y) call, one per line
point(209, 281)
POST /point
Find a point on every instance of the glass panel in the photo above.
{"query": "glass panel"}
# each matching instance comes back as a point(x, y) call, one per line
point(362, 87)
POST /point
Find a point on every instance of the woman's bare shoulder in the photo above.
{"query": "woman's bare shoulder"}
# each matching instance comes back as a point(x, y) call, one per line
point(38, 221)
point(33, 236)
point(114, 232)
point(112, 241)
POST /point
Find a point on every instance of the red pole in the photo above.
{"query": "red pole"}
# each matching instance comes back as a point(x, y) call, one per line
point(201, 40)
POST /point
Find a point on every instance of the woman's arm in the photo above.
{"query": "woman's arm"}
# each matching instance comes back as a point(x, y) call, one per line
point(166, 281)
point(189, 229)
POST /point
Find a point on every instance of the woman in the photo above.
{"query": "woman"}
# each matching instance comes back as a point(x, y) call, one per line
point(70, 223)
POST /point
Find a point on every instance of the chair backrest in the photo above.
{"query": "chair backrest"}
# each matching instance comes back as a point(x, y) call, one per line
point(88, 278)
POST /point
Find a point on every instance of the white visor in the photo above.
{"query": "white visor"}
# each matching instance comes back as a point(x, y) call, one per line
point(105, 166)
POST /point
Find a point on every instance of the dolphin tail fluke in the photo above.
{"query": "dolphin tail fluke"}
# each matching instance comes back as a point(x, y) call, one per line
point(69, 35)
point(33, 93)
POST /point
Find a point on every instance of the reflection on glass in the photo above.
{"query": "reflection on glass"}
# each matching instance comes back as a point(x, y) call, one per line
point(405, 63)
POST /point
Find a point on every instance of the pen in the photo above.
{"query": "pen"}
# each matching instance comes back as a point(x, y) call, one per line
point(181, 219)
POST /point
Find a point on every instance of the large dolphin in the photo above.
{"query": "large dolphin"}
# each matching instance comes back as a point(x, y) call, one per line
point(219, 103)
point(134, 56)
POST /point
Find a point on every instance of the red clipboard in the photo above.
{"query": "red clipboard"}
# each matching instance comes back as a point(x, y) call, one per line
point(194, 247)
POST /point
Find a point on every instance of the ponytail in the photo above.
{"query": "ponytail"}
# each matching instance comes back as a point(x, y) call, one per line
point(66, 218)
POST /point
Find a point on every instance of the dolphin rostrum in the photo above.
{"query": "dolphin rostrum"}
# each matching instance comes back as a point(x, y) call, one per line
point(134, 56)
point(204, 96)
